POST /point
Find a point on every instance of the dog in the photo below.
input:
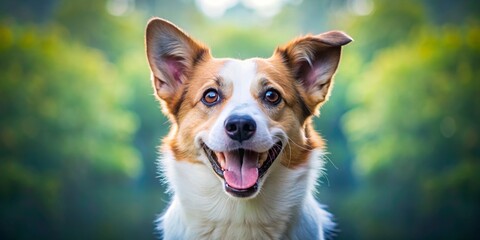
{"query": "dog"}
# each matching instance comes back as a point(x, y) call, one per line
point(242, 157)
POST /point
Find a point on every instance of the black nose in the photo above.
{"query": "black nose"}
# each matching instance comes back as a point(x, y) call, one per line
point(240, 128)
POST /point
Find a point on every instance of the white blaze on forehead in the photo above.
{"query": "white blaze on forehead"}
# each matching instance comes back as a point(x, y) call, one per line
point(241, 74)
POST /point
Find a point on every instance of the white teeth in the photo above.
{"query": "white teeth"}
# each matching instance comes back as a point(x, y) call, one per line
point(262, 158)
point(221, 159)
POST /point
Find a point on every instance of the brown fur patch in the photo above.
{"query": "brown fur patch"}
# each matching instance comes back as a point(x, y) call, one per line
point(192, 116)
point(289, 115)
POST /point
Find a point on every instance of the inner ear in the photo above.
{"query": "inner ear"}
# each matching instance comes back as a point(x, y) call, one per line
point(313, 60)
point(316, 71)
point(172, 55)
point(175, 67)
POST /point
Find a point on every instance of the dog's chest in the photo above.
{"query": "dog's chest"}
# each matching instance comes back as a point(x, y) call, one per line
point(232, 221)
point(202, 210)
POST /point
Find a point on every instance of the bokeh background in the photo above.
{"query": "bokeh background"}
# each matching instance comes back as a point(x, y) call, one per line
point(79, 124)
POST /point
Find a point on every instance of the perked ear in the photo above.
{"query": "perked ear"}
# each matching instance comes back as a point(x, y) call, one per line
point(313, 61)
point(171, 54)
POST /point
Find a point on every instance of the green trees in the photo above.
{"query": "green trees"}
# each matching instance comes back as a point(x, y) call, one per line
point(63, 128)
point(416, 136)
point(414, 131)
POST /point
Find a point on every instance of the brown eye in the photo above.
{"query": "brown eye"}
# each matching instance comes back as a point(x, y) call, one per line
point(210, 97)
point(272, 97)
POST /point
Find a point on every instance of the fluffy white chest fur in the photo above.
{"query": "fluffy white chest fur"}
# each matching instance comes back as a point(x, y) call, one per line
point(284, 209)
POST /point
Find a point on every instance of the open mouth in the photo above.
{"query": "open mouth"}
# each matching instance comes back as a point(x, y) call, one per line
point(242, 168)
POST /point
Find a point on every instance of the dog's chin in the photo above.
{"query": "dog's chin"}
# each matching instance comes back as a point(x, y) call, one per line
point(242, 170)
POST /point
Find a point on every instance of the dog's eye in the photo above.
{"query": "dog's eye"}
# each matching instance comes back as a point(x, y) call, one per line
point(210, 97)
point(272, 96)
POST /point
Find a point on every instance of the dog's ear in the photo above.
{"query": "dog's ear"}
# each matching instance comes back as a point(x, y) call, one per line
point(172, 55)
point(313, 61)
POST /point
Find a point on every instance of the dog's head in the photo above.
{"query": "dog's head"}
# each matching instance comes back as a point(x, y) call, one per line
point(237, 116)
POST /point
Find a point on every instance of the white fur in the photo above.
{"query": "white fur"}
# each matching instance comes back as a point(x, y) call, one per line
point(284, 209)
point(284, 206)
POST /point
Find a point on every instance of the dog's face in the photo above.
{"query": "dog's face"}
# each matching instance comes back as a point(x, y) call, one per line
point(241, 118)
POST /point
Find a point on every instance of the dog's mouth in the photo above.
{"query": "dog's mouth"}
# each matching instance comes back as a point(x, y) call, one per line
point(242, 168)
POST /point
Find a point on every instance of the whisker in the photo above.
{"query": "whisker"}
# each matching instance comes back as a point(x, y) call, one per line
point(290, 153)
point(298, 145)
point(328, 158)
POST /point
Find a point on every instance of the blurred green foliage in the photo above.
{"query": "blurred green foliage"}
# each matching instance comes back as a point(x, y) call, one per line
point(416, 136)
point(79, 124)
point(414, 128)
point(62, 122)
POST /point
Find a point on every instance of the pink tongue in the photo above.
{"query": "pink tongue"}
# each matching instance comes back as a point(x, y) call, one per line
point(241, 173)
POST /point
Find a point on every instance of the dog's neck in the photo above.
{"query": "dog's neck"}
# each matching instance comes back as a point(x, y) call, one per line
point(201, 209)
